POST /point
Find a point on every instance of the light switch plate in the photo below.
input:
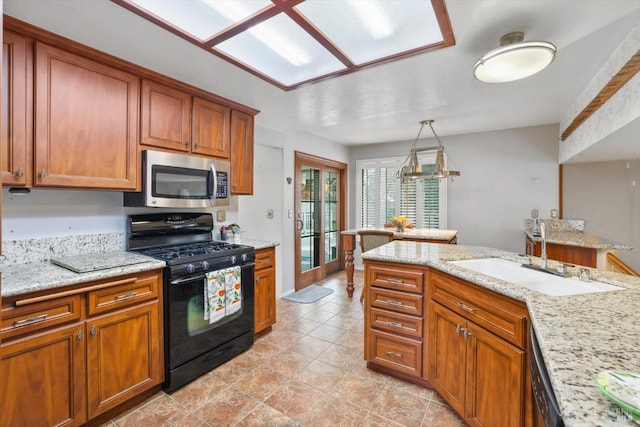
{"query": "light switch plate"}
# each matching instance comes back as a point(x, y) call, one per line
point(221, 216)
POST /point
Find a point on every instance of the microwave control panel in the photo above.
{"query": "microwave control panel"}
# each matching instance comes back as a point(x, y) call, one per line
point(222, 184)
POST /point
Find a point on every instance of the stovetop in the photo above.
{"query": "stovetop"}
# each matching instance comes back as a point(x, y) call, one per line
point(189, 252)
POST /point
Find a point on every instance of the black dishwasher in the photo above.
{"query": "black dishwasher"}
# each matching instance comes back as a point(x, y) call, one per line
point(542, 390)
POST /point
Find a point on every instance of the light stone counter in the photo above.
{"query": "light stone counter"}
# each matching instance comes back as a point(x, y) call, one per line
point(256, 243)
point(580, 335)
point(413, 233)
point(579, 238)
point(18, 279)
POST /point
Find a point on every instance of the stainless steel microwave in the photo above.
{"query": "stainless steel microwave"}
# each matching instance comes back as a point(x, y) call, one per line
point(180, 181)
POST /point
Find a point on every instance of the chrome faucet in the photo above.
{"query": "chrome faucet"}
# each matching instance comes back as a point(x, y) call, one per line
point(543, 236)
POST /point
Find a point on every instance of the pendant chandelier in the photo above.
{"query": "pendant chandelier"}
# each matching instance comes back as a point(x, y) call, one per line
point(411, 168)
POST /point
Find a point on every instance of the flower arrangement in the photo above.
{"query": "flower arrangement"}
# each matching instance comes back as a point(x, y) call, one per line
point(400, 222)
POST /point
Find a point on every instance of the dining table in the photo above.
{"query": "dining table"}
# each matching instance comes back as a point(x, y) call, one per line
point(425, 235)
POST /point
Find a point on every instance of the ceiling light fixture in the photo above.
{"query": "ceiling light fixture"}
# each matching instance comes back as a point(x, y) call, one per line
point(515, 59)
point(411, 168)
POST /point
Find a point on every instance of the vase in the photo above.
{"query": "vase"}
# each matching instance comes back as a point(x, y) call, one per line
point(399, 228)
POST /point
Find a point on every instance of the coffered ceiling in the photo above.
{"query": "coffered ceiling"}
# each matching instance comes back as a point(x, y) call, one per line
point(382, 102)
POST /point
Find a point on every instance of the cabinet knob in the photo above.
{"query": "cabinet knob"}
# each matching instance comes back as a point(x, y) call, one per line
point(43, 174)
point(197, 145)
point(93, 330)
point(459, 330)
point(79, 335)
point(467, 334)
point(20, 172)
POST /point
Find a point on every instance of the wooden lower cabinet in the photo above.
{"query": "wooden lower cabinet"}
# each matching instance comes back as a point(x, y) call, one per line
point(69, 373)
point(265, 291)
point(477, 373)
point(43, 381)
point(123, 351)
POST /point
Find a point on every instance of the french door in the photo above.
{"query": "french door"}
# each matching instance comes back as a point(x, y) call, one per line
point(320, 217)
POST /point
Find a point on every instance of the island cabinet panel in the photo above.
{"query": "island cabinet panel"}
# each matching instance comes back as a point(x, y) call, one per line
point(16, 136)
point(43, 381)
point(394, 319)
point(477, 352)
point(265, 291)
point(72, 355)
point(241, 153)
point(569, 254)
point(86, 122)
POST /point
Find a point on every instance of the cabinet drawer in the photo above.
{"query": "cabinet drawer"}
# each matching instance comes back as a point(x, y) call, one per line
point(397, 301)
point(123, 293)
point(399, 279)
point(396, 323)
point(265, 258)
point(33, 317)
point(401, 354)
point(499, 314)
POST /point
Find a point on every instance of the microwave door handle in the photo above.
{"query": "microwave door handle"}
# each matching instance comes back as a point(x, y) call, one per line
point(214, 183)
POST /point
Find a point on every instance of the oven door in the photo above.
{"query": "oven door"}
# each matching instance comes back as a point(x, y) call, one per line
point(188, 332)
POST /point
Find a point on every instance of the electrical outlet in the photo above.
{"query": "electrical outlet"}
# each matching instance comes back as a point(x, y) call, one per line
point(221, 216)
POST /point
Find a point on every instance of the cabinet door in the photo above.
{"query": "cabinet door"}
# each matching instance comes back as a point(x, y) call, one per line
point(165, 117)
point(448, 354)
point(43, 379)
point(495, 375)
point(211, 134)
point(241, 153)
point(16, 135)
point(265, 299)
point(123, 356)
point(86, 122)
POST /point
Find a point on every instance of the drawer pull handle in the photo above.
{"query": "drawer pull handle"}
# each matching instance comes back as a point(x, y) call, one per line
point(31, 320)
point(466, 307)
point(392, 302)
point(126, 296)
point(264, 261)
point(395, 324)
point(396, 281)
point(393, 353)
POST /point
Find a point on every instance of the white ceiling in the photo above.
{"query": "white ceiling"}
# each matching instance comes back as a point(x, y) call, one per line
point(385, 102)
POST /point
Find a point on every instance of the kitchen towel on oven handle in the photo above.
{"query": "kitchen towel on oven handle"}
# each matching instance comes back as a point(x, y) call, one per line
point(233, 289)
point(214, 296)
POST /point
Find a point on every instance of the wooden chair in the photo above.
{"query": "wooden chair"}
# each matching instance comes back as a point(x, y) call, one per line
point(371, 239)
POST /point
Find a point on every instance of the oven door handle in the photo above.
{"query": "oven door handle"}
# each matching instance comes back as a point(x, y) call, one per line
point(189, 279)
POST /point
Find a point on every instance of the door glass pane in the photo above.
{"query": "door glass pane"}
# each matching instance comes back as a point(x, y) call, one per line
point(310, 216)
point(330, 216)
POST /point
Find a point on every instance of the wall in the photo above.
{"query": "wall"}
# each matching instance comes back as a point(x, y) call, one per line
point(607, 196)
point(504, 174)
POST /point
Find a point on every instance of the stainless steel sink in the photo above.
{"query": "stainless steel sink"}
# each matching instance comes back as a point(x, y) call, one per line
point(543, 282)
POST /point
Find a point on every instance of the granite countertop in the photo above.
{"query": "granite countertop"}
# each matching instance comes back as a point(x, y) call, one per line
point(578, 238)
point(579, 335)
point(412, 233)
point(256, 243)
point(18, 279)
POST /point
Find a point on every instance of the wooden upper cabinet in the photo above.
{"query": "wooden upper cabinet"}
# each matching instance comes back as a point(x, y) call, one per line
point(166, 117)
point(86, 122)
point(16, 138)
point(241, 153)
point(211, 123)
point(174, 120)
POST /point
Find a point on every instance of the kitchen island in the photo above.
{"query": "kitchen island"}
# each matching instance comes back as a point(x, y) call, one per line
point(428, 235)
point(579, 335)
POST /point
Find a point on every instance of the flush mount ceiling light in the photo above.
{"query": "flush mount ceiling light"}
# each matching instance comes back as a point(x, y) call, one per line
point(294, 42)
point(411, 168)
point(515, 59)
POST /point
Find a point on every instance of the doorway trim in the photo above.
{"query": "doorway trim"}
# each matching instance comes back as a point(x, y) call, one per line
point(304, 159)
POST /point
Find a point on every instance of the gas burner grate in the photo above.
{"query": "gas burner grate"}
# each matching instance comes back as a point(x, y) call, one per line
point(189, 250)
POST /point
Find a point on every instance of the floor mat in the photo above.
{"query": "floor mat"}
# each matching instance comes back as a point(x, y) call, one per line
point(311, 293)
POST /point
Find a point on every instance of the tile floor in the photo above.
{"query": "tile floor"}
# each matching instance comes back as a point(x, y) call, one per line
point(309, 371)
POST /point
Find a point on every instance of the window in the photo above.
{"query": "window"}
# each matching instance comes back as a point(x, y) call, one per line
point(381, 195)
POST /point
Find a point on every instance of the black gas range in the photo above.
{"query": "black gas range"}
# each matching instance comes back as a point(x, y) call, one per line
point(197, 338)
